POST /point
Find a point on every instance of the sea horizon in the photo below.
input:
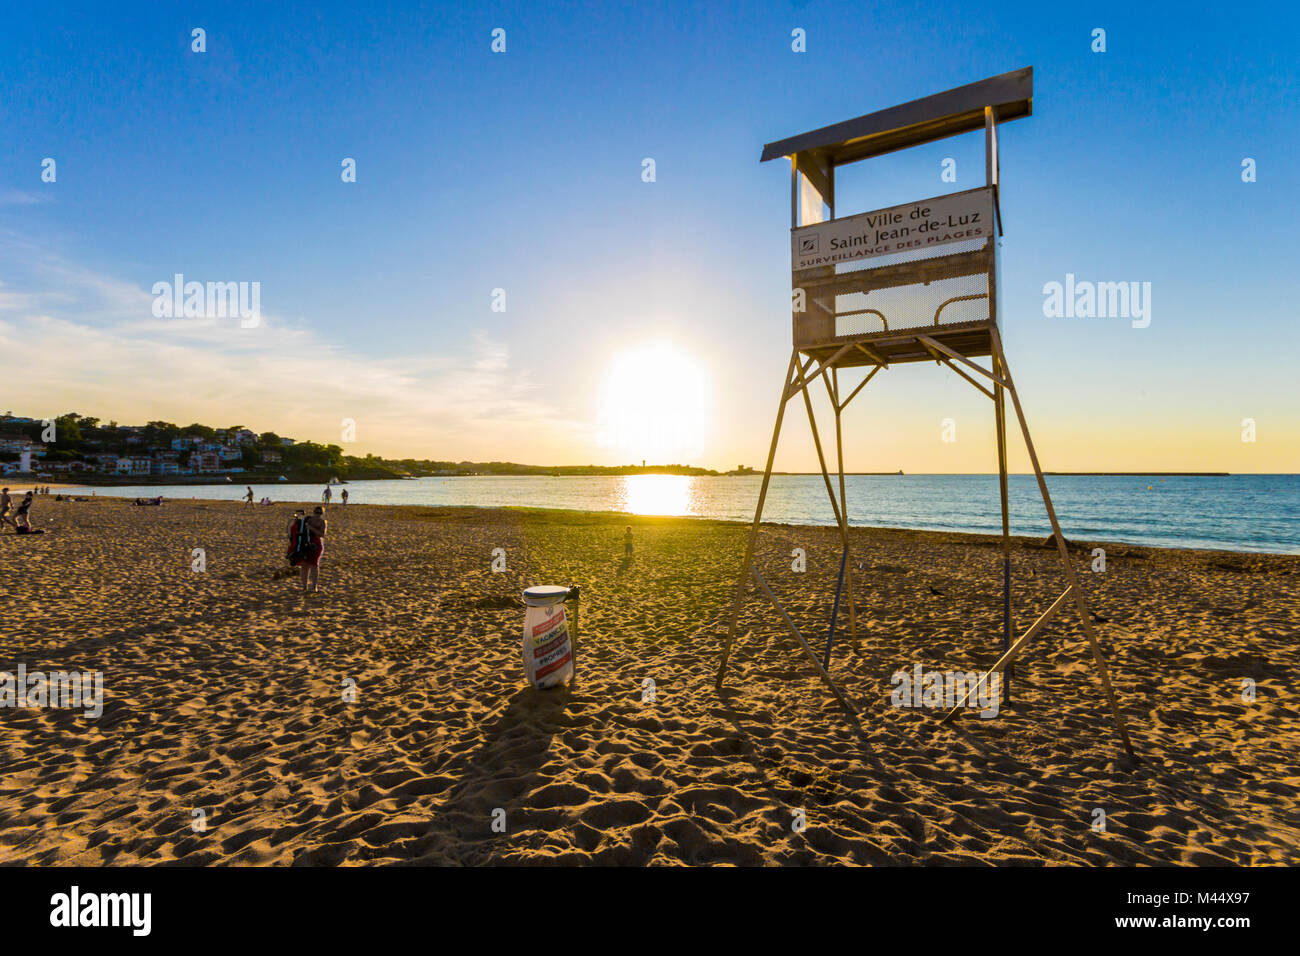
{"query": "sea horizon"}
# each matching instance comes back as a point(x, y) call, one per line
point(1169, 511)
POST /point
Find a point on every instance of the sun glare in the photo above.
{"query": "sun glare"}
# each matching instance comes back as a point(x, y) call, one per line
point(658, 494)
point(655, 406)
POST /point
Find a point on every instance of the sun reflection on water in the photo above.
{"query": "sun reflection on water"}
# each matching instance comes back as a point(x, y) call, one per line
point(658, 494)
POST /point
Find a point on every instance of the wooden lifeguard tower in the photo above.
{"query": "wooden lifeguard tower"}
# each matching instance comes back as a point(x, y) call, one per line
point(905, 284)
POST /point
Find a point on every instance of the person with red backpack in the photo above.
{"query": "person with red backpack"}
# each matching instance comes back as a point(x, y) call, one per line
point(306, 545)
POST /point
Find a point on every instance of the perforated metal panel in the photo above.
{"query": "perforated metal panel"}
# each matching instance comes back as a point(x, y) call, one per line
point(944, 302)
point(912, 292)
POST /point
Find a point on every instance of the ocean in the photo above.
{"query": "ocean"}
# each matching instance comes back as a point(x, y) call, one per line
point(1237, 512)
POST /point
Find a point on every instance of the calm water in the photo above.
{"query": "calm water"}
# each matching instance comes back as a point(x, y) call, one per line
point(1241, 512)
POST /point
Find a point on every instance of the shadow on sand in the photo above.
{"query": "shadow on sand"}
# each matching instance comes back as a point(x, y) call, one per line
point(504, 770)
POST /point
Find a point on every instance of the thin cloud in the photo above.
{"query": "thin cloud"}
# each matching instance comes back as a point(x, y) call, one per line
point(90, 343)
point(20, 197)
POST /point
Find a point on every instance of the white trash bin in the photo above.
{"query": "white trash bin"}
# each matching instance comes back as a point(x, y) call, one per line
point(547, 646)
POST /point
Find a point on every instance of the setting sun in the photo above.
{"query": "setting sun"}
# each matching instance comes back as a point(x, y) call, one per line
point(655, 406)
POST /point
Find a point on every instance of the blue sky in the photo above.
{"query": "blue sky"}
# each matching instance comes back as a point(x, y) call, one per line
point(522, 171)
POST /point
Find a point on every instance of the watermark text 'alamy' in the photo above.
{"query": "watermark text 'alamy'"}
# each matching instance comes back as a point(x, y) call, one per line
point(213, 300)
point(1098, 300)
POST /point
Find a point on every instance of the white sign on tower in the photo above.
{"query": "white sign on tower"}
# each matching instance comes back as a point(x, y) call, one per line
point(957, 217)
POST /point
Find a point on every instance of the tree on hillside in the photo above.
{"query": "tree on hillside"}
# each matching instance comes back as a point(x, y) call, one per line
point(200, 431)
point(67, 431)
point(319, 461)
point(160, 434)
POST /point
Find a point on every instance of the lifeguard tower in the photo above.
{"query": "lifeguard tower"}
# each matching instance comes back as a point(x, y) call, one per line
point(906, 284)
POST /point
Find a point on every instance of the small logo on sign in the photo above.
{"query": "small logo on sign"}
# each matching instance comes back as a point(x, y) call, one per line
point(809, 245)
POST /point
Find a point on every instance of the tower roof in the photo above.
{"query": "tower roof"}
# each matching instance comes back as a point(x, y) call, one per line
point(930, 118)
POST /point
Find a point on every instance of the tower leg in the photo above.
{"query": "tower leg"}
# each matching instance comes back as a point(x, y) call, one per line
point(817, 444)
point(1000, 414)
point(835, 609)
point(837, 509)
point(1071, 575)
point(844, 507)
point(743, 580)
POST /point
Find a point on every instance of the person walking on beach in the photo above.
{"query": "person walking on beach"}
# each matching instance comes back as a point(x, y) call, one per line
point(325, 495)
point(248, 498)
point(344, 496)
point(309, 562)
point(627, 543)
point(6, 502)
point(21, 522)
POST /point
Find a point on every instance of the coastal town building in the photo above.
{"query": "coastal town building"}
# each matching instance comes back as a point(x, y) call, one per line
point(158, 450)
point(16, 444)
point(134, 465)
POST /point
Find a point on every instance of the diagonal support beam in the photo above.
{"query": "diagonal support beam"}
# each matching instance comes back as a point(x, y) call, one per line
point(861, 385)
point(803, 381)
point(826, 678)
point(1071, 574)
point(1011, 653)
point(931, 343)
point(940, 358)
point(872, 354)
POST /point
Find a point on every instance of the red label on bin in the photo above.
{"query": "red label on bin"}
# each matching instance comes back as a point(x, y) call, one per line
point(551, 668)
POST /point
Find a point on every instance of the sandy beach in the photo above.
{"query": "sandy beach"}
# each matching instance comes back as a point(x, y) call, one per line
point(225, 737)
